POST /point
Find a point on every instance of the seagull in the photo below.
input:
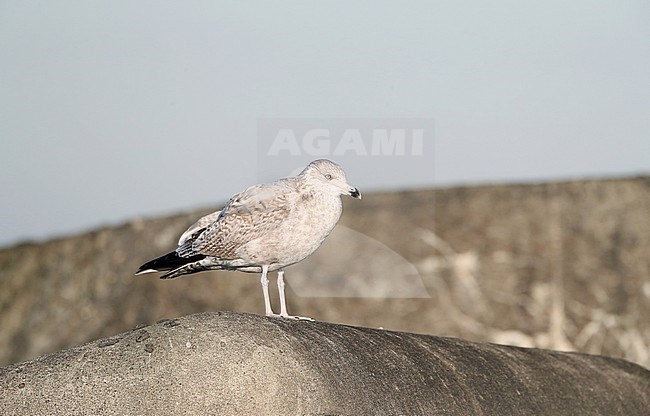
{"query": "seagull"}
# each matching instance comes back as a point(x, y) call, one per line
point(266, 228)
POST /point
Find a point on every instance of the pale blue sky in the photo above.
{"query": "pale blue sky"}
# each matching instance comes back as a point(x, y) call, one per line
point(116, 109)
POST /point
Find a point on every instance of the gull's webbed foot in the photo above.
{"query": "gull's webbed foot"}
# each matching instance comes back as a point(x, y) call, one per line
point(295, 318)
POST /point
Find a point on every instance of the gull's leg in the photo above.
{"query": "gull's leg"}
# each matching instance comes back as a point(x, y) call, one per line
point(265, 289)
point(283, 301)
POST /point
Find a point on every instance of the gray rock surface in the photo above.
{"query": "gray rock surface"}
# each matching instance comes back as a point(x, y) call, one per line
point(240, 364)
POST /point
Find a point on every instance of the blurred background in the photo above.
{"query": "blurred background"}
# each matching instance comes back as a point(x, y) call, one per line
point(526, 219)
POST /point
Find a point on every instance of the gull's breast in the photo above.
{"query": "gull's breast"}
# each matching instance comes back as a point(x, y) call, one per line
point(305, 229)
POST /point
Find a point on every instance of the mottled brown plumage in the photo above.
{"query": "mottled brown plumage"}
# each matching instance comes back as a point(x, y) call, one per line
point(265, 228)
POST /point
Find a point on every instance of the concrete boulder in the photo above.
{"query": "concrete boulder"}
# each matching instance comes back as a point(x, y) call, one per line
point(238, 364)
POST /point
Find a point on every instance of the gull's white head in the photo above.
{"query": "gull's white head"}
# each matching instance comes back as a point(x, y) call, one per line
point(328, 175)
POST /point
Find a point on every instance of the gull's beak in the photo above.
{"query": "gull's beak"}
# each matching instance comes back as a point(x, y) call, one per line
point(354, 193)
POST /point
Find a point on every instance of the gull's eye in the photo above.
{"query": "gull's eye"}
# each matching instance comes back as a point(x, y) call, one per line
point(328, 176)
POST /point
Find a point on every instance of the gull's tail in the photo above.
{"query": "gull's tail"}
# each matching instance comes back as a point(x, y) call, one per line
point(169, 261)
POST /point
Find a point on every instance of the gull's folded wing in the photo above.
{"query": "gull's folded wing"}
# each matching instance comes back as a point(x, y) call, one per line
point(197, 226)
point(252, 214)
